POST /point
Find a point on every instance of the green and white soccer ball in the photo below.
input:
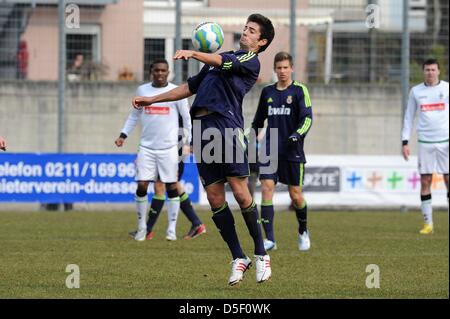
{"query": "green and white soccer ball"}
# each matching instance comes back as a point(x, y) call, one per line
point(207, 37)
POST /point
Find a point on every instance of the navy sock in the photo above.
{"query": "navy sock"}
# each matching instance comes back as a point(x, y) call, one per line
point(251, 218)
point(188, 210)
point(267, 214)
point(155, 210)
point(302, 216)
point(223, 218)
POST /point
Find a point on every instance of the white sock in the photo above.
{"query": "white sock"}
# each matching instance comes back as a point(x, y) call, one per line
point(141, 208)
point(427, 212)
point(173, 207)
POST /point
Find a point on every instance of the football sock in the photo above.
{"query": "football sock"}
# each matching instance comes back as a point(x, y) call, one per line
point(155, 210)
point(223, 218)
point(251, 218)
point(173, 207)
point(427, 209)
point(302, 217)
point(141, 208)
point(267, 214)
point(188, 210)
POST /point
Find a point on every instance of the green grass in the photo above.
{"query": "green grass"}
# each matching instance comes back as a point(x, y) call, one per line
point(35, 249)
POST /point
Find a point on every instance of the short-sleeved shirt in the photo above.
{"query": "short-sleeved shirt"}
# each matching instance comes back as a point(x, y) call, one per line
point(222, 89)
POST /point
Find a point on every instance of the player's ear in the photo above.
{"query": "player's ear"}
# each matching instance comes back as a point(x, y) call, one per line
point(262, 42)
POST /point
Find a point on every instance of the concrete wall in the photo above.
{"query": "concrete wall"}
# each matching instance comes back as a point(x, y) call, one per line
point(347, 119)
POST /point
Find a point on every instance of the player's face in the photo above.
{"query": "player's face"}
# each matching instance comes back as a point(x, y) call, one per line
point(250, 38)
point(284, 70)
point(159, 74)
point(431, 73)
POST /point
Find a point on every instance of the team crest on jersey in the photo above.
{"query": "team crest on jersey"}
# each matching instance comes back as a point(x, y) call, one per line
point(441, 95)
point(289, 99)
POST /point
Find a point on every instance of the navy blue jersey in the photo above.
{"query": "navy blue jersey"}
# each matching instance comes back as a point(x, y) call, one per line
point(222, 89)
point(290, 112)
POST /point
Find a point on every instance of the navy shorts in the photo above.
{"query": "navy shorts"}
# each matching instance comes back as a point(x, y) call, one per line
point(222, 155)
point(289, 173)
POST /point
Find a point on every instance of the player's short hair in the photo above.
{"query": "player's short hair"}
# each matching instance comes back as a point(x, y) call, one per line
point(430, 62)
point(266, 28)
point(282, 56)
point(158, 61)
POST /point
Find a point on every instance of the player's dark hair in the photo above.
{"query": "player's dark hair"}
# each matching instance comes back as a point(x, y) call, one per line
point(159, 61)
point(282, 56)
point(430, 62)
point(266, 28)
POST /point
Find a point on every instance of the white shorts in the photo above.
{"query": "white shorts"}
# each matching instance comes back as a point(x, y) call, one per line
point(433, 158)
point(153, 165)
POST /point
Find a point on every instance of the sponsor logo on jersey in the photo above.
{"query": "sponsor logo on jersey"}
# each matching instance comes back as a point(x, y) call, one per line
point(279, 110)
point(157, 110)
point(432, 107)
point(289, 99)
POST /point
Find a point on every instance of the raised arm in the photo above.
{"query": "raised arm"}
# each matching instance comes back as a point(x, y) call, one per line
point(178, 93)
point(210, 59)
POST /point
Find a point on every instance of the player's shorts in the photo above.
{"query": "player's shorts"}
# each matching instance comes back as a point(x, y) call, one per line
point(231, 161)
point(288, 173)
point(153, 165)
point(433, 158)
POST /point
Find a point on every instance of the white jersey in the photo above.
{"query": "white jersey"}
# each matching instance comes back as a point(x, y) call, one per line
point(159, 121)
point(432, 104)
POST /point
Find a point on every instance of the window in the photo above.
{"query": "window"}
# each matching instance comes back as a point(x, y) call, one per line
point(153, 49)
point(83, 53)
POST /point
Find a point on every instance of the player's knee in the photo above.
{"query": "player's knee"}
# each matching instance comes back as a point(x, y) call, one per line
point(141, 190)
point(215, 201)
point(172, 191)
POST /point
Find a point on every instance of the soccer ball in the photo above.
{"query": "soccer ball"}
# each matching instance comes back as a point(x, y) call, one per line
point(207, 37)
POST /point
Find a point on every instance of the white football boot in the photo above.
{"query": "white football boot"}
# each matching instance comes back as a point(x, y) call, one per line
point(304, 243)
point(238, 268)
point(140, 234)
point(263, 269)
point(171, 236)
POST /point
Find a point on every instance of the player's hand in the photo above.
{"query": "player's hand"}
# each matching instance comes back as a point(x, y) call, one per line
point(293, 139)
point(2, 144)
point(139, 101)
point(119, 142)
point(183, 54)
point(186, 150)
point(405, 152)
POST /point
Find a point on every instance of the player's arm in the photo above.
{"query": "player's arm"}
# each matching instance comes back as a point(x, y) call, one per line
point(261, 114)
point(306, 116)
point(128, 127)
point(408, 122)
point(183, 109)
point(178, 93)
point(210, 59)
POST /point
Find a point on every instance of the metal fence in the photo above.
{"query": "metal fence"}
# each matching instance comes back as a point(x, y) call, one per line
point(342, 44)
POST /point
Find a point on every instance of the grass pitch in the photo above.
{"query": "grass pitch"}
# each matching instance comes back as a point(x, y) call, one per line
point(35, 249)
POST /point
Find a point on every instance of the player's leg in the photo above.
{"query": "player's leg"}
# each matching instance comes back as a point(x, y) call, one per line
point(197, 227)
point(292, 174)
point(224, 221)
point(239, 186)
point(167, 161)
point(268, 212)
point(173, 207)
point(146, 171)
point(158, 199)
point(427, 159)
